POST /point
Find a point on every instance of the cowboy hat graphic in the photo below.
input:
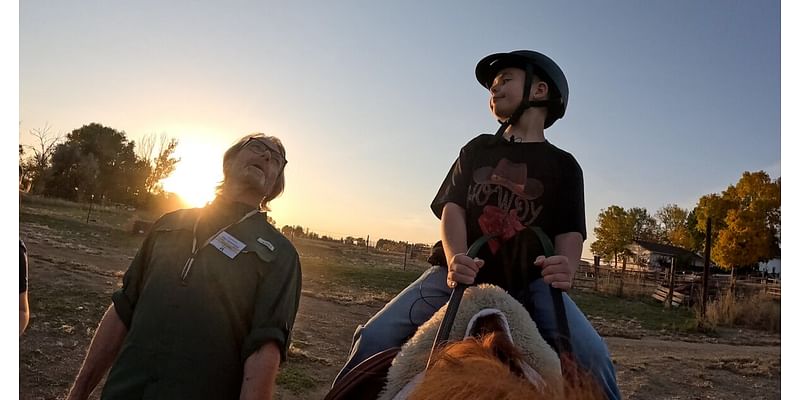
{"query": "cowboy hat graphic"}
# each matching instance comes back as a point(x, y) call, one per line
point(511, 176)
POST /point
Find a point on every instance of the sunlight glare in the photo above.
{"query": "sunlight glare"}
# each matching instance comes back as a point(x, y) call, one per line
point(195, 178)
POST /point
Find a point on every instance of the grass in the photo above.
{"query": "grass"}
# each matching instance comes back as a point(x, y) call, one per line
point(81, 232)
point(295, 379)
point(342, 279)
point(108, 216)
point(352, 281)
point(650, 314)
point(342, 273)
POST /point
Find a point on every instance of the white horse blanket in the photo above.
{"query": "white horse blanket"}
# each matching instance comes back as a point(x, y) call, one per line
point(408, 368)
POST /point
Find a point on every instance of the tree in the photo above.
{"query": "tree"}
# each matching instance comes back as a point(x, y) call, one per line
point(97, 160)
point(617, 228)
point(296, 231)
point(162, 164)
point(676, 230)
point(644, 226)
point(390, 245)
point(614, 232)
point(746, 221)
point(37, 164)
point(696, 237)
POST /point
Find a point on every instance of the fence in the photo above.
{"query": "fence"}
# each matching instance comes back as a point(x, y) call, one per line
point(633, 281)
point(636, 280)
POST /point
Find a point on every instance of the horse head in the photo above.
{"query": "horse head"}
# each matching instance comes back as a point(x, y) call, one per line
point(491, 330)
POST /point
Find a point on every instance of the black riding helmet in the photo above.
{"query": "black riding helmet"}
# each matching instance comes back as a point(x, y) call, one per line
point(531, 62)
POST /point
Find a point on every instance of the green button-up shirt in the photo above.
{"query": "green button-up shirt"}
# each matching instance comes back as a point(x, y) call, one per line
point(188, 337)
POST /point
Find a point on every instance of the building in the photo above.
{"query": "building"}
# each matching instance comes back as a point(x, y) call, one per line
point(658, 256)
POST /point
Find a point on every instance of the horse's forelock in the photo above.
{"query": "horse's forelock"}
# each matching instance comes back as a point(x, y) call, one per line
point(489, 367)
point(470, 369)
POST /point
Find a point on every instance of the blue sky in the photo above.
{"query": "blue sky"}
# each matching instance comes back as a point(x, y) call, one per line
point(668, 100)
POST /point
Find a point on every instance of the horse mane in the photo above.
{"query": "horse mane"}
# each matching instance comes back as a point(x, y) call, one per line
point(487, 368)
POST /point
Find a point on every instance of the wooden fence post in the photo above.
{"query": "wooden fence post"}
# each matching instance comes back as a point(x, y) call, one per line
point(706, 268)
point(668, 300)
point(596, 271)
point(405, 256)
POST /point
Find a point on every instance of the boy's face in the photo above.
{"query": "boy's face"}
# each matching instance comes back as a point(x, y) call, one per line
point(506, 92)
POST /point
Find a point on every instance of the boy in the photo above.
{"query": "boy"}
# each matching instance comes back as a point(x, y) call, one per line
point(506, 184)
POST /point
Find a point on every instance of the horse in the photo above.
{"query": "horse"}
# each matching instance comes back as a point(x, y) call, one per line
point(493, 351)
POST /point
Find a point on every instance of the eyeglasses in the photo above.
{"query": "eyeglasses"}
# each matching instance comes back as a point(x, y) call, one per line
point(261, 148)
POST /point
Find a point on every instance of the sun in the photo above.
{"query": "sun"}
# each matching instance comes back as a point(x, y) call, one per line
point(194, 180)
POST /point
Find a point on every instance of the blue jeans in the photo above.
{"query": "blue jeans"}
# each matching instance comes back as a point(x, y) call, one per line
point(399, 319)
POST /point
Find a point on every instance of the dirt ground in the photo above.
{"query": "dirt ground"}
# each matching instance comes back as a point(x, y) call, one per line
point(70, 286)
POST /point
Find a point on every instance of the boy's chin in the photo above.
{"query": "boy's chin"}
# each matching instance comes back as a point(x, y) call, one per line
point(501, 115)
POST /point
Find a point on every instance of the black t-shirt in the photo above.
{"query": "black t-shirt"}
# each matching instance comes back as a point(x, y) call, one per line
point(507, 188)
point(23, 267)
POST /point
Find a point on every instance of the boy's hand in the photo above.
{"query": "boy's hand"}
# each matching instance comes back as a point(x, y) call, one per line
point(463, 269)
point(556, 271)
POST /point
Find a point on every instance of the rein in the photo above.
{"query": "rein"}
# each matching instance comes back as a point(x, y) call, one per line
point(562, 340)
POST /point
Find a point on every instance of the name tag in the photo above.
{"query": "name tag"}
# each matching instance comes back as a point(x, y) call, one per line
point(227, 244)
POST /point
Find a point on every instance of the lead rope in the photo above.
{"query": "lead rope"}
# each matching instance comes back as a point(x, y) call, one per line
point(452, 305)
point(563, 343)
point(562, 340)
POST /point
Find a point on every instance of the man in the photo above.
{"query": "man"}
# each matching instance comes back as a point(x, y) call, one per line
point(207, 306)
point(24, 310)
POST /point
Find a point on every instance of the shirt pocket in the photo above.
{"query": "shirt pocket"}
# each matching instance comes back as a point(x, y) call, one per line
point(243, 274)
point(260, 252)
point(171, 248)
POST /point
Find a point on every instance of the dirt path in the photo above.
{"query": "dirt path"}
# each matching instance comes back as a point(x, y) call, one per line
point(71, 286)
point(659, 369)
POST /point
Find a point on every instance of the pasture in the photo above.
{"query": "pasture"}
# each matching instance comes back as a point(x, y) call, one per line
point(75, 266)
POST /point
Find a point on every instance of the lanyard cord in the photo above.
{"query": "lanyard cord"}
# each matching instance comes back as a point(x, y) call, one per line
point(188, 265)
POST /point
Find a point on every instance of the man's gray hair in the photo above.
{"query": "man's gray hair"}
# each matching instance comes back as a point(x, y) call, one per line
point(280, 181)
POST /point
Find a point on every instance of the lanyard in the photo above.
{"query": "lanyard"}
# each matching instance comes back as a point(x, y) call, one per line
point(188, 266)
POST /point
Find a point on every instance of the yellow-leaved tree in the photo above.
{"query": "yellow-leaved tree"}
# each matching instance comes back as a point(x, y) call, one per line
point(746, 221)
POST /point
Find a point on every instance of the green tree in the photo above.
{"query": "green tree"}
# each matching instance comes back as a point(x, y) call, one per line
point(696, 237)
point(676, 226)
point(644, 226)
point(617, 228)
point(100, 161)
point(614, 231)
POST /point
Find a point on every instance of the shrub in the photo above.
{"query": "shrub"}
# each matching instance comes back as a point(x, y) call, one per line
point(757, 311)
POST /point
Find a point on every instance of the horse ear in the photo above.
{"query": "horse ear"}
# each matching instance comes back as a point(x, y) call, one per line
point(529, 373)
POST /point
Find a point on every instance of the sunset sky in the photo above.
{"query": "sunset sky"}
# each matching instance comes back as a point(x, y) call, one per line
point(669, 100)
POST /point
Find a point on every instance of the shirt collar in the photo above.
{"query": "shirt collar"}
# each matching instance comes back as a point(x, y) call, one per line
point(228, 206)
